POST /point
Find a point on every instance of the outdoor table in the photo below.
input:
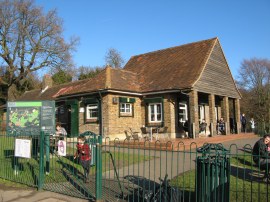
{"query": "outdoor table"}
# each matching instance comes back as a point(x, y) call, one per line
point(150, 129)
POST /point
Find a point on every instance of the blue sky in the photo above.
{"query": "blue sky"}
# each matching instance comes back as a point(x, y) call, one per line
point(139, 26)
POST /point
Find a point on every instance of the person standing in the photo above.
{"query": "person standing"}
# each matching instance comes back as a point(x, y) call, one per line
point(84, 154)
point(243, 123)
point(252, 125)
point(60, 131)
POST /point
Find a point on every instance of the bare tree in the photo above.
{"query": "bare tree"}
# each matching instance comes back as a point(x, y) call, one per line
point(29, 41)
point(85, 72)
point(113, 58)
point(254, 82)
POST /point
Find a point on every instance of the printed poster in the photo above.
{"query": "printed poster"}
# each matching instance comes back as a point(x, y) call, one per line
point(62, 147)
point(23, 148)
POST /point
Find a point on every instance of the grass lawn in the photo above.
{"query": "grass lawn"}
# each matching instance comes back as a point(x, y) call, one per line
point(28, 169)
point(245, 181)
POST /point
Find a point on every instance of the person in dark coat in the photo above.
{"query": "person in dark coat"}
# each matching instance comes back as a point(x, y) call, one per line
point(243, 122)
point(221, 126)
point(261, 155)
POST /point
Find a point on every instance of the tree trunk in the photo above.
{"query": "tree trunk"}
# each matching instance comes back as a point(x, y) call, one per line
point(13, 93)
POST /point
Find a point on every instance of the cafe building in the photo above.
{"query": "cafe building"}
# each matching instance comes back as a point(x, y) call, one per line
point(174, 90)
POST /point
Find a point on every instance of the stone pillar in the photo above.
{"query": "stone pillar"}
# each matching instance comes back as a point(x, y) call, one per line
point(212, 114)
point(237, 115)
point(194, 114)
point(225, 113)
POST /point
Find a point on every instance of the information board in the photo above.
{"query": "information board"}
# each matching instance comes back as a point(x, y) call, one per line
point(48, 117)
point(30, 116)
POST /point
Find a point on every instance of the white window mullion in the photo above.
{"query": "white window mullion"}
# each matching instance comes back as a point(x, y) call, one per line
point(125, 108)
point(183, 112)
point(155, 112)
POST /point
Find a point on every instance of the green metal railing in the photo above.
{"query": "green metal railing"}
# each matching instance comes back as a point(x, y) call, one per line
point(213, 174)
point(136, 170)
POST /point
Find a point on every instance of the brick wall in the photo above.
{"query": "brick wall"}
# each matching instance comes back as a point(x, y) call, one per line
point(170, 114)
point(113, 125)
point(94, 127)
point(194, 114)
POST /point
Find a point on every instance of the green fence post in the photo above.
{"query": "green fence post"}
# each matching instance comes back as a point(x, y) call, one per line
point(99, 170)
point(47, 149)
point(16, 169)
point(41, 161)
point(212, 174)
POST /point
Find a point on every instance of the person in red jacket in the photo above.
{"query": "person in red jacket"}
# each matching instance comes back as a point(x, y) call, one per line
point(83, 152)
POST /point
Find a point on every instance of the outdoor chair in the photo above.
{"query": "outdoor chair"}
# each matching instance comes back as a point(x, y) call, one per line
point(145, 134)
point(128, 136)
point(135, 135)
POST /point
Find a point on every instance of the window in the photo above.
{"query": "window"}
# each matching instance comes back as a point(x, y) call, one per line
point(183, 113)
point(125, 108)
point(216, 112)
point(155, 112)
point(201, 113)
point(91, 111)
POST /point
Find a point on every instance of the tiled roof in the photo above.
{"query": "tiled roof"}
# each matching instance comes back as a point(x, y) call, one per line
point(122, 79)
point(109, 78)
point(50, 93)
point(173, 68)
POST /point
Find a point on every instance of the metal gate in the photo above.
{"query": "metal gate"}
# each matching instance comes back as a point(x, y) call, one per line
point(128, 170)
point(64, 174)
point(45, 169)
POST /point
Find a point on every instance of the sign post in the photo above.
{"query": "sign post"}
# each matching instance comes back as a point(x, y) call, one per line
point(30, 118)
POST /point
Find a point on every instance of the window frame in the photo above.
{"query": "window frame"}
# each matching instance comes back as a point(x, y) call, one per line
point(201, 110)
point(88, 118)
point(184, 107)
point(125, 112)
point(155, 112)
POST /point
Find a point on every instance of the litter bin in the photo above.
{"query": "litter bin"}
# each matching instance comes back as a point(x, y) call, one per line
point(91, 140)
point(213, 174)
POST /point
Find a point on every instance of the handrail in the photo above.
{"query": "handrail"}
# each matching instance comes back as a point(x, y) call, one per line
point(117, 176)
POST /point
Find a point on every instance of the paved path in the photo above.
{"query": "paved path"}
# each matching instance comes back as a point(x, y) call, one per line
point(8, 194)
point(178, 161)
point(28, 195)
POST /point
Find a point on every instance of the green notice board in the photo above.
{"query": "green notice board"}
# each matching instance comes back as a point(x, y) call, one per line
point(31, 116)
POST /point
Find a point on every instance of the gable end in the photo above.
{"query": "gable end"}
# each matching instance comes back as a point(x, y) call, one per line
point(216, 77)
